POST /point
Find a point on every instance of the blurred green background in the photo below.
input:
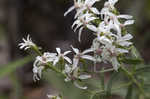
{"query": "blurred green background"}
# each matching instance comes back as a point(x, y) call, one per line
point(44, 21)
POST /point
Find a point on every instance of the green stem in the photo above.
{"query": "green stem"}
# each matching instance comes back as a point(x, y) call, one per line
point(56, 70)
point(107, 70)
point(130, 76)
point(102, 80)
point(123, 85)
point(102, 91)
point(35, 48)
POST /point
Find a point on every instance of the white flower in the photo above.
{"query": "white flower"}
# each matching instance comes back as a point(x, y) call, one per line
point(37, 73)
point(27, 43)
point(82, 56)
point(45, 58)
point(124, 40)
point(40, 62)
point(82, 21)
point(110, 54)
point(110, 4)
point(81, 6)
point(73, 75)
point(62, 55)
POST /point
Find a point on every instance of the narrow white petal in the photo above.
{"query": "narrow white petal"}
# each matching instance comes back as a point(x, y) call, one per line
point(127, 37)
point(68, 59)
point(69, 10)
point(122, 50)
point(75, 63)
point(67, 52)
point(75, 50)
point(55, 61)
point(80, 87)
point(84, 77)
point(58, 50)
point(88, 57)
point(67, 68)
point(125, 16)
point(129, 22)
point(80, 32)
point(92, 27)
point(125, 43)
point(95, 11)
point(87, 51)
point(115, 63)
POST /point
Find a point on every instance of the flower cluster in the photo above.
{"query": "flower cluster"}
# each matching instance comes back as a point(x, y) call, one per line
point(111, 42)
point(111, 38)
point(85, 14)
point(69, 68)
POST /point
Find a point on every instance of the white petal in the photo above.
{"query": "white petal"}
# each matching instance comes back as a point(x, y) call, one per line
point(127, 37)
point(87, 51)
point(94, 10)
point(75, 23)
point(55, 61)
point(68, 59)
point(125, 43)
point(122, 50)
point(115, 63)
point(69, 10)
point(104, 40)
point(78, 86)
point(84, 77)
point(125, 16)
point(88, 57)
point(92, 28)
point(80, 32)
point(75, 63)
point(67, 68)
point(58, 50)
point(77, 26)
point(129, 22)
point(67, 52)
point(75, 50)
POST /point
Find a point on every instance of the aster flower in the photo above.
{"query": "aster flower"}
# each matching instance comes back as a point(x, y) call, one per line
point(110, 4)
point(124, 40)
point(110, 54)
point(73, 75)
point(40, 62)
point(81, 22)
point(81, 6)
point(27, 43)
point(81, 55)
point(62, 55)
point(37, 72)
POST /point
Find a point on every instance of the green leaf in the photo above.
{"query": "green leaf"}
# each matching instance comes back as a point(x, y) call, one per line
point(133, 61)
point(129, 92)
point(135, 53)
point(9, 68)
point(143, 70)
point(113, 78)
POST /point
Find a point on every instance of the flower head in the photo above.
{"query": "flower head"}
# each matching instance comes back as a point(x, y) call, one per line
point(81, 55)
point(83, 21)
point(82, 6)
point(40, 63)
point(27, 43)
point(62, 55)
